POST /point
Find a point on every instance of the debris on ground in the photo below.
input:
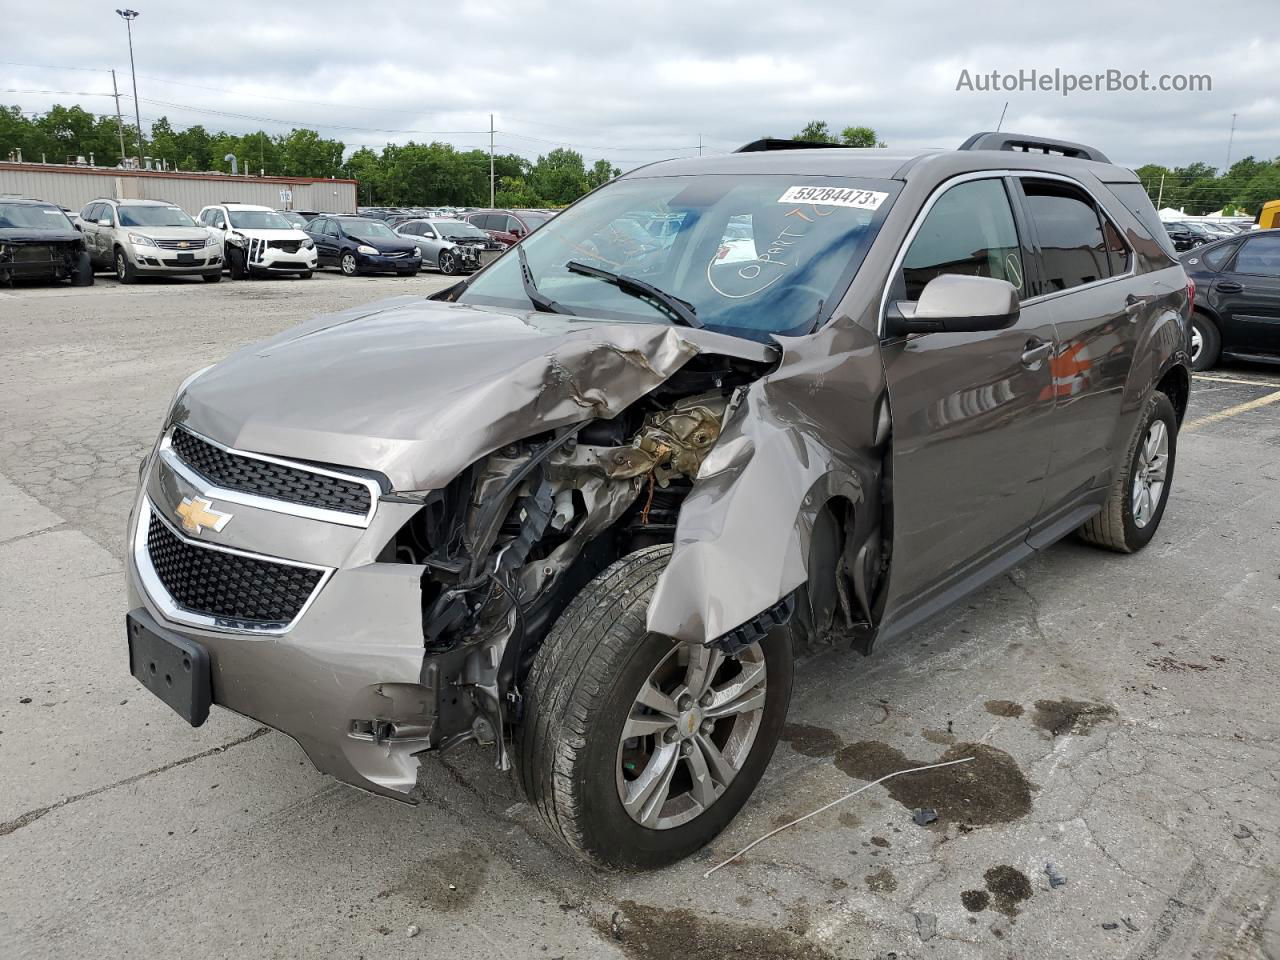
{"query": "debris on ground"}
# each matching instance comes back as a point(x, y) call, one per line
point(924, 816)
point(413, 931)
point(1242, 832)
point(1133, 927)
point(24, 699)
point(926, 925)
point(1056, 877)
point(1110, 926)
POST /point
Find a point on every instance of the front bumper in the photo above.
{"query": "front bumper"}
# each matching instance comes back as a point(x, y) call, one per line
point(380, 262)
point(152, 260)
point(346, 679)
point(278, 260)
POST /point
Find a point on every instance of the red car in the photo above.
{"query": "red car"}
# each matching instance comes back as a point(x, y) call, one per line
point(508, 226)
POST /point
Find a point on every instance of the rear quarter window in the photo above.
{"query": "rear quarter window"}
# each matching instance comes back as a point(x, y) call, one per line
point(1135, 199)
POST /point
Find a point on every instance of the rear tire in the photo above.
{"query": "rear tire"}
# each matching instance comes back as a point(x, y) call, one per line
point(1206, 342)
point(125, 271)
point(1127, 522)
point(82, 275)
point(584, 688)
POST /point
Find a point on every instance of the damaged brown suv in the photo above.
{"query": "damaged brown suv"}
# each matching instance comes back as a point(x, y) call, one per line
point(579, 507)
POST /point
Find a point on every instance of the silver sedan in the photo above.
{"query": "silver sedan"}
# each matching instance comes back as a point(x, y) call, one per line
point(451, 246)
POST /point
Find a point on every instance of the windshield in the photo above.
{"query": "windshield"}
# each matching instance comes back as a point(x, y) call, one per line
point(139, 216)
point(297, 219)
point(458, 230)
point(258, 220)
point(369, 230)
point(753, 256)
point(35, 216)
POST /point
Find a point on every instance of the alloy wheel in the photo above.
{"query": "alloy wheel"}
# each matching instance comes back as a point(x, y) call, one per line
point(348, 264)
point(120, 265)
point(1197, 343)
point(446, 263)
point(1149, 478)
point(689, 732)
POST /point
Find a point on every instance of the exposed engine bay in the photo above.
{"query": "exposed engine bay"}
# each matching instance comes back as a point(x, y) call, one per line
point(507, 544)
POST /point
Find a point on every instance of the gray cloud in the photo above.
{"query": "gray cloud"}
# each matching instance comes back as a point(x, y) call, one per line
point(644, 82)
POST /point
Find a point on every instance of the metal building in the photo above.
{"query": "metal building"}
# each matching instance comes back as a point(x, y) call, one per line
point(74, 186)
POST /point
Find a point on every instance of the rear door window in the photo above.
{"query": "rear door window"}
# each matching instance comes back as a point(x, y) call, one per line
point(970, 231)
point(1134, 197)
point(1215, 257)
point(1073, 251)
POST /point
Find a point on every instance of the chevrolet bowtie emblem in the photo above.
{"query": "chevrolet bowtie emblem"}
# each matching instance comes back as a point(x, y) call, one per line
point(182, 244)
point(198, 513)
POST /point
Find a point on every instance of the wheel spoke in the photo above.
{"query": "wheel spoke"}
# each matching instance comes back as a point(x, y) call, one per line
point(644, 725)
point(743, 693)
point(1157, 467)
point(648, 792)
point(703, 788)
point(721, 769)
point(653, 698)
point(703, 663)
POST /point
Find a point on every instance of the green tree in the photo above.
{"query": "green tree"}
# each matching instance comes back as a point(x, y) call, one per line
point(601, 172)
point(560, 177)
point(815, 131)
point(860, 137)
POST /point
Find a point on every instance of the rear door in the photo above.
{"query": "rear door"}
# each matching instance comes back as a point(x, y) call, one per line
point(1247, 296)
point(1098, 306)
point(970, 410)
point(89, 227)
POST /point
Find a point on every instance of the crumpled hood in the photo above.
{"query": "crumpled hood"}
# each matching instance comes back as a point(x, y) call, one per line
point(419, 389)
point(32, 235)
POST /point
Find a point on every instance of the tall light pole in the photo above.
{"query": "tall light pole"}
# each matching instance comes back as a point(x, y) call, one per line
point(129, 16)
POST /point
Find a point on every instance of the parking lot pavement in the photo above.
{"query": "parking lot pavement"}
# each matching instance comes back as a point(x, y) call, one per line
point(1120, 710)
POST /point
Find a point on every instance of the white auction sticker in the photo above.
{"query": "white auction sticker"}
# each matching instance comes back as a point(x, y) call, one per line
point(835, 197)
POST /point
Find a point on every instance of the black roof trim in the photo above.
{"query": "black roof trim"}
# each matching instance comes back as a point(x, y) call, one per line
point(773, 143)
point(1025, 144)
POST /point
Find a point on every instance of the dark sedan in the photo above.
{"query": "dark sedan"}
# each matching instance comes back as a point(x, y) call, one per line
point(359, 245)
point(37, 241)
point(1186, 235)
point(1237, 306)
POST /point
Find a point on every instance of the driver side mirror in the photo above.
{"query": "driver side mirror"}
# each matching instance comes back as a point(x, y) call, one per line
point(105, 222)
point(955, 303)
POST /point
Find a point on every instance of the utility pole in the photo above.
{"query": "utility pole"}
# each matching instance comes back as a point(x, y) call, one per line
point(1160, 196)
point(491, 160)
point(1230, 140)
point(699, 144)
point(115, 92)
point(129, 16)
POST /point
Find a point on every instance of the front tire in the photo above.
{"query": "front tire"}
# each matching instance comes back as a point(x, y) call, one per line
point(125, 272)
point(304, 275)
point(82, 275)
point(1140, 491)
point(348, 265)
point(236, 264)
point(211, 277)
point(448, 263)
point(1206, 342)
point(636, 749)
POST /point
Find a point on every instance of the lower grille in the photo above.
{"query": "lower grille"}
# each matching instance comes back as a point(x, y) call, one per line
point(288, 246)
point(228, 586)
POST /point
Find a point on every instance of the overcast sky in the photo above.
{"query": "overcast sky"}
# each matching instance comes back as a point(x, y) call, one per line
point(643, 81)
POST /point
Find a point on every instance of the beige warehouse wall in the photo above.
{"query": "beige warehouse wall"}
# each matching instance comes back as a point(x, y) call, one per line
point(74, 187)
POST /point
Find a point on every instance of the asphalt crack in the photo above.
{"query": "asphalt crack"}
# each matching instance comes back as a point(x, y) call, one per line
point(31, 816)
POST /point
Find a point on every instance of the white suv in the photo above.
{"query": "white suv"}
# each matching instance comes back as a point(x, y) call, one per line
point(259, 240)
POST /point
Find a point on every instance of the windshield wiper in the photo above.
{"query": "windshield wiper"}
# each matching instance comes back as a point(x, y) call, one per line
point(679, 310)
point(539, 299)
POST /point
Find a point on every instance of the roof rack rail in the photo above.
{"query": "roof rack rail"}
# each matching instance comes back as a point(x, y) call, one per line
point(773, 143)
point(1024, 144)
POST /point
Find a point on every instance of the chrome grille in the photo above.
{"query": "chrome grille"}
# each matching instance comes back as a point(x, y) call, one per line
point(180, 244)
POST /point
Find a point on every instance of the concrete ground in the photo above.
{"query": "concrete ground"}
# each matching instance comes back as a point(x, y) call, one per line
point(1121, 711)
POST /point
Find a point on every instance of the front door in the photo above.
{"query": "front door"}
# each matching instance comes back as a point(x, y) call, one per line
point(970, 444)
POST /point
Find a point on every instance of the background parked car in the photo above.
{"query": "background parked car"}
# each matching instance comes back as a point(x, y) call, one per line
point(136, 237)
point(1187, 236)
point(1237, 305)
point(295, 218)
point(451, 246)
point(257, 240)
point(507, 226)
point(37, 241)
point(360, 245)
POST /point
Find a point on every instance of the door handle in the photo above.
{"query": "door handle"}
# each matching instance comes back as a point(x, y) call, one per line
point(1035, 351)
point(1133, 305)
point(1230, 286)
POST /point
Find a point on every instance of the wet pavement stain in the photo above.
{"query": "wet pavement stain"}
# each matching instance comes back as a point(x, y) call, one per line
point(1071, 716)
point(882, 881)
point(939, 736)
point(811, 741)
point(1009, 886)
point(975, 901)
point(880, 842)
point(850, 820)
point(447, 882)
point(1003, 708)
point(649, 933)
point(989, 789)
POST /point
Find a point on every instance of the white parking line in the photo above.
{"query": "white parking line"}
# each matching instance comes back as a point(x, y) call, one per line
point(1239, 408)
point(1251, 383)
